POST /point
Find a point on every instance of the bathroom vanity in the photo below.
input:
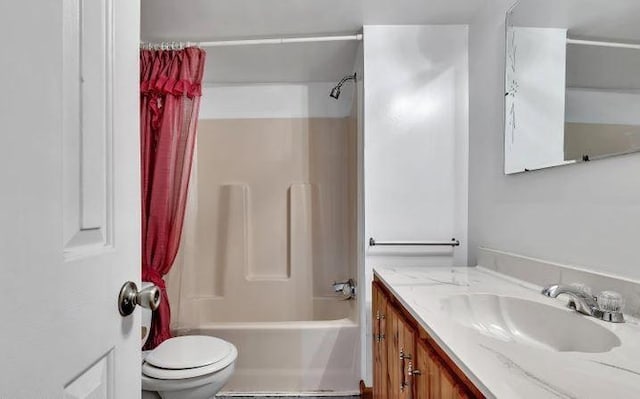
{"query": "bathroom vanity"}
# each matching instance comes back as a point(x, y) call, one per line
point(473, 333)
point(408, 363)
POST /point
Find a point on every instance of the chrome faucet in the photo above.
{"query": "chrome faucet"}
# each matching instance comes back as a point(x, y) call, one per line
point(346, 288)
point(580, 301)
point(607, 307)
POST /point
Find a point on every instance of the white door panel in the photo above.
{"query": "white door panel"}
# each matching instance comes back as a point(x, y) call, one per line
point(69, 198)
point(87, 124)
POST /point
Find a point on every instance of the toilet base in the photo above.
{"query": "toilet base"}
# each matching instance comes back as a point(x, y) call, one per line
point(150, 395)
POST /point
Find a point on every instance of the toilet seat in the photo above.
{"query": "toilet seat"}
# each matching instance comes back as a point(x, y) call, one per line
point(214, 380)
point(188, 357)
point(189, 351)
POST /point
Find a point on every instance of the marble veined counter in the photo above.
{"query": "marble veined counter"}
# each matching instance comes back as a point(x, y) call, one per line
point(504, 368)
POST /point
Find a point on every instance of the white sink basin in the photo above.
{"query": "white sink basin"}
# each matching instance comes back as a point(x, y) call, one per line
point(518, 320)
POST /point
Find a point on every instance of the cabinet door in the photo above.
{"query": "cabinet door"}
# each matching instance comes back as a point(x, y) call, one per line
point(393, 377)
point(432, 378)
point(448, 385)
point(406, 357)
point(379, 306)
point(424, 377)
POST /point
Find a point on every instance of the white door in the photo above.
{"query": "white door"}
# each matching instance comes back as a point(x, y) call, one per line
point(69, 198)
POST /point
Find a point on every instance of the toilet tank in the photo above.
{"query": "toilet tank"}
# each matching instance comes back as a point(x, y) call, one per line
point(146, 318)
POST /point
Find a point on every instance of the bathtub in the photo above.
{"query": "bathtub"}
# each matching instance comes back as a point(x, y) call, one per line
point(294, 357)
point(271, 223)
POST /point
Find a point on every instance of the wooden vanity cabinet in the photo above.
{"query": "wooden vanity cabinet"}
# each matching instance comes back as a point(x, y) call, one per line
point(408, 364)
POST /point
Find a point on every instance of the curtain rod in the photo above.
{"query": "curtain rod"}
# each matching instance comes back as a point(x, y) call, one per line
point(252, 42)
point(604, 44)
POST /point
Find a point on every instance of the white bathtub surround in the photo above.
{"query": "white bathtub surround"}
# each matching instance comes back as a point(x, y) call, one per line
point(541, 272)
point(271, 223)
point(504, 368)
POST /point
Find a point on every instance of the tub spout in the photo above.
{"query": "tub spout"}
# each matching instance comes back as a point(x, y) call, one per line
point(347, 289)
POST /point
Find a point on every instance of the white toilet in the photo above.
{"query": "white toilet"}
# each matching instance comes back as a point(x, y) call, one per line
point(188, 367)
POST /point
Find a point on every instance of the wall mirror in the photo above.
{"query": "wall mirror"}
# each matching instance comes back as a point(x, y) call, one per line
point(572, 90)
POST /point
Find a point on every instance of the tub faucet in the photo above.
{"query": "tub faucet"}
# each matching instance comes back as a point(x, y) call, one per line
point(346, 288)
point(610, 308)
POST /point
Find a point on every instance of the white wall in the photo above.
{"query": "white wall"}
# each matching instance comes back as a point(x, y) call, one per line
point(415, 146)
point(277, 100)
point(585, 214)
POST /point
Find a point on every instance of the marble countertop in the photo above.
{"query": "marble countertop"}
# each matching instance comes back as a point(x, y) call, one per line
point(511, 370)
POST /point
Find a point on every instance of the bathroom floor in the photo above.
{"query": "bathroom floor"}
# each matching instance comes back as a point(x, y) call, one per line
point(280, 397)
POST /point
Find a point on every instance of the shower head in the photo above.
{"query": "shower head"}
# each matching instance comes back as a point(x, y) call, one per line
point(335, 92)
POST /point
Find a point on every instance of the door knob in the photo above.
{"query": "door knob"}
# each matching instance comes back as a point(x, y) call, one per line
point(130, 297)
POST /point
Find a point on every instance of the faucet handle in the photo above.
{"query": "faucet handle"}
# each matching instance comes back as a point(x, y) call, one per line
point(611, 304)
point(610, 301)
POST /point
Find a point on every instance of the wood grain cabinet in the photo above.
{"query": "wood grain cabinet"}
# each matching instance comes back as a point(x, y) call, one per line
point(408, 364)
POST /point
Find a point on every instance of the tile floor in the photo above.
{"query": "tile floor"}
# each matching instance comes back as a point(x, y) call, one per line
point(283, 397)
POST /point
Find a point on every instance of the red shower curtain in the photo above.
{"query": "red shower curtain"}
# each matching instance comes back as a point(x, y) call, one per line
point(170, 90)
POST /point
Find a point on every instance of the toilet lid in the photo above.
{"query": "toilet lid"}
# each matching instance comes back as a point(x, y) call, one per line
point(188, 352)
point(179, 374)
